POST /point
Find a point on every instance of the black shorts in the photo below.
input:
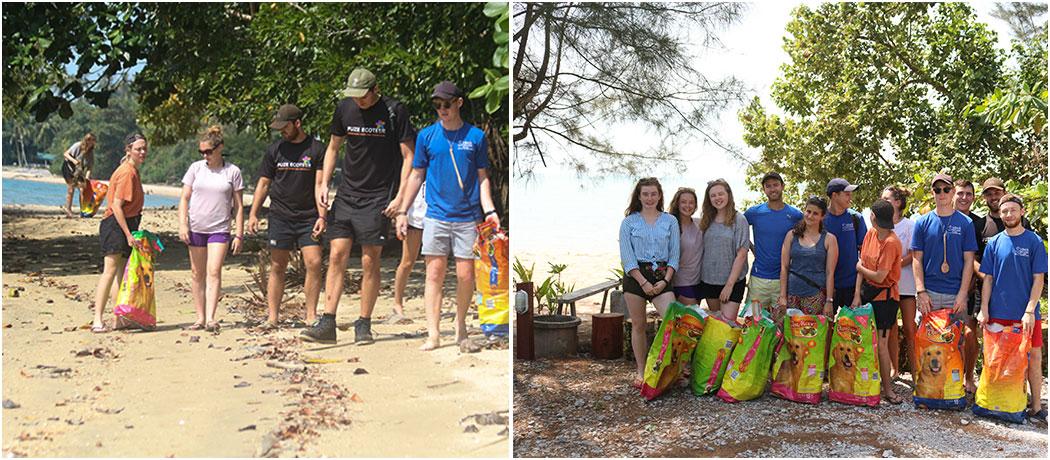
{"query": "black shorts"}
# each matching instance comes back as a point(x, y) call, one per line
point(843, 297)
point(712, 291)
point(631, 285)
point(291, 234)
point(885, 313)
point(360, 219)
point(111, 238)
point(973, 302)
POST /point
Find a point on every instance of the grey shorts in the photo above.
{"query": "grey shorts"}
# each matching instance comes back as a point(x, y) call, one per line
point(442, 238)
point(940, 301)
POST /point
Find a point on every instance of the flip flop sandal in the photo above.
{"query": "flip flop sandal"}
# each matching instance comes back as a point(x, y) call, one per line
point(393, 319)
point(99, 329)
point(1038, 417)
point(893, 399)
point(212, 327)
point(194, 327)
point(637, 384)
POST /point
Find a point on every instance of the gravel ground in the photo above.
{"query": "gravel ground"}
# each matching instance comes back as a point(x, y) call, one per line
point(586, 408)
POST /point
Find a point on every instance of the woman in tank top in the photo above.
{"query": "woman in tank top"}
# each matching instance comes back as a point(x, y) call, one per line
point(686, 281)
point(807, 265)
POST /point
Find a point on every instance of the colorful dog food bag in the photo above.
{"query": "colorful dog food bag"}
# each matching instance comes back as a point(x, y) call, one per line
point(1001, 391)
point(748, 371)
point(938, 344)
point(136, 301)
point(799, 367)
point(491, 280)
point(91, 197)
point(712, 354)
point(673, 347)
point(854, 361)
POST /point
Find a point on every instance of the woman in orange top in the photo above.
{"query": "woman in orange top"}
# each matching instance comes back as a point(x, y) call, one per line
point(880, 270)
point(122, 217)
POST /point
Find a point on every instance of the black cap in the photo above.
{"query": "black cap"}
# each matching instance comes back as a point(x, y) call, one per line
point(446, 90)
point(285, 114)
point(772, 175)
point(839, 184)
point(882, 214)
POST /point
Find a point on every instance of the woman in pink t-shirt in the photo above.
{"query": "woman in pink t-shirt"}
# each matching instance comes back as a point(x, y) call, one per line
point(211, 193)
point(686, 281)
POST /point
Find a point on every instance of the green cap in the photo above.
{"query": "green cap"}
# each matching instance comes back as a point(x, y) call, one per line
point(359, 82)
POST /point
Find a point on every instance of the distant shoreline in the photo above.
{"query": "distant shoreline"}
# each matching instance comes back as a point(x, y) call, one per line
point(42, 175)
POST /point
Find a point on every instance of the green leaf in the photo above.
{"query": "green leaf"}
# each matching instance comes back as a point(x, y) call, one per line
point(479, 91)
point(493, 9)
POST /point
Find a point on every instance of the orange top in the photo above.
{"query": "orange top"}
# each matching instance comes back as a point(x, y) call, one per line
point(882, 255)
point(125, 185)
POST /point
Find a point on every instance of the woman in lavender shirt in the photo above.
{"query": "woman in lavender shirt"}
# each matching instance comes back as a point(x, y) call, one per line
point(649, 252)
point(686, 280)
point(211, 193)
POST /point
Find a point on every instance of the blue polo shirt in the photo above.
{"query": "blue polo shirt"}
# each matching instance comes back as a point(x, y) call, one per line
point(769, 227)
point(1011, 261)
point(446, 200)
point(931, 232)
point(846, 227)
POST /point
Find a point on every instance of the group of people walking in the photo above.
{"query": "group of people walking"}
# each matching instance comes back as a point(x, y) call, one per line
point(987, 269)
point(385, 170)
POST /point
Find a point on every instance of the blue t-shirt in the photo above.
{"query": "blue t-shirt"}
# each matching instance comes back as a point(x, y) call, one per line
point(1011, 261)
point(844, 227)
point(446, 201)
point(931, 231)
point(769, 227)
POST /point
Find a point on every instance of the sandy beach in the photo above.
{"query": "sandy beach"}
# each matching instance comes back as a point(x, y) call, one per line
point(68, 392)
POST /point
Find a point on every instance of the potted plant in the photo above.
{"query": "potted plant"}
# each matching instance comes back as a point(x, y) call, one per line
point(555, 335)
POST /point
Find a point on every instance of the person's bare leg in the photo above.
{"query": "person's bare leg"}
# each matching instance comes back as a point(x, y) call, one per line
point(662, 302)
point(275, 283)
point(639, 342)
point(436, 266)
point(312, 259)
point(464, 294)
point(908, 321)
point(687, 300)
point(216, 255)
point(714, 306)
point(198, 281)
point(370, 263)
point(333, 287)
point(110, 266)
point(893, 345)
point(729, 311)
point(970, 354)
point(69, 201)
point(409, 254)
point(1035, 378)
point(884, 366)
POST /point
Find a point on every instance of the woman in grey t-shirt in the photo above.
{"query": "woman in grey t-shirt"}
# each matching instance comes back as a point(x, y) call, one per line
point(726, 241)
point(77, 162)
point(686, 282)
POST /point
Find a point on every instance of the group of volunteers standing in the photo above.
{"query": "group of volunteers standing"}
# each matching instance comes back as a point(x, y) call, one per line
point(384, 168)
point(824, 257)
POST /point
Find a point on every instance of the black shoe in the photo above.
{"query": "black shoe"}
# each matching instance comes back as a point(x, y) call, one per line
point(363, 331)
point(323, 331)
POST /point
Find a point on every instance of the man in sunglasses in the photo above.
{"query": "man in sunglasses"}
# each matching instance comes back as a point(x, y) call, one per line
point(453, 157)
point(379, 141)
point(769, 221)
point(849, 229)
point(288, 175)
point(943, 246)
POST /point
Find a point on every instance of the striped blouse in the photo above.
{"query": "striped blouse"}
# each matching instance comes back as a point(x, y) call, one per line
point(641, 242)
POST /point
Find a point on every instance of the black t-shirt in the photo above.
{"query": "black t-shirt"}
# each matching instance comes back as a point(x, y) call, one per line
point(292, 168)
point(372, 164)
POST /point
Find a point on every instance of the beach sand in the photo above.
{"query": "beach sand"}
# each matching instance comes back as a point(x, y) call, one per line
point(190, 393)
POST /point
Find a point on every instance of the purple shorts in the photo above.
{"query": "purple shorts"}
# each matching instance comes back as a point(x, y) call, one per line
point(691, 292)
point(201, 240)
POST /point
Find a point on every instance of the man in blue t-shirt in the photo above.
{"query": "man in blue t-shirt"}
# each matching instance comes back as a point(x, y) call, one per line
point(1015, 264)
point(453, 156)
point(849, 229)
point(769, 221)
point(943, 245)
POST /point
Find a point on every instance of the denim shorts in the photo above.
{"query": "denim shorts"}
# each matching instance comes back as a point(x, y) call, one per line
point(442, 238)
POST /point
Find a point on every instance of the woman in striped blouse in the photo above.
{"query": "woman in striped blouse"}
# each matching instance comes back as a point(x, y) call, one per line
point(649, 252)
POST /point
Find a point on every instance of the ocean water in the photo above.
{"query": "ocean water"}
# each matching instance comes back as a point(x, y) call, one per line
point(27, 192)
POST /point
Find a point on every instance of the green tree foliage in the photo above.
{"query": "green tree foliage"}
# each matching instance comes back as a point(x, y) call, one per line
point(879, 93)
point(110, 126)
point(1023, 18)
point(581, 65)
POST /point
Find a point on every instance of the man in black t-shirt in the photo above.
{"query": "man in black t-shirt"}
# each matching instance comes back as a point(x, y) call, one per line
point(288, 174)
point(380, 141)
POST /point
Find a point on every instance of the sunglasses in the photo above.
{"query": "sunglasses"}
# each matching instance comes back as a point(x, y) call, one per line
point(940, 190)
point(442, 105)
point(207, 151)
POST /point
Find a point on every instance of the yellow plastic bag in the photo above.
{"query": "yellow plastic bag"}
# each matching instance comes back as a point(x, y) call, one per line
point(799, 367)
point(939, 381)
point(673, 348)
point(1001, 391)
point(137, 302)
point(491, 279)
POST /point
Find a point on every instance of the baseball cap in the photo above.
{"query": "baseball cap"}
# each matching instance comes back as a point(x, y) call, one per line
point(286, 114)
point(882, 214)
point(446, 90)
point(839, 184)
point(772, 175)
point(993, 182)
point(942, 177)
point(359, 82)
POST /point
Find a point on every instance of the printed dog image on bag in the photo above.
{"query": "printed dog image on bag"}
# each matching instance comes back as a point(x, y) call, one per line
point(673, 348)
point(747, 374)
point(800, 362)
point(854, 360)
point(938, 342)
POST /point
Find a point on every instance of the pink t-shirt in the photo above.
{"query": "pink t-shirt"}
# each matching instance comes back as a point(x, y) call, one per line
point(692, 245)
point(211, 203)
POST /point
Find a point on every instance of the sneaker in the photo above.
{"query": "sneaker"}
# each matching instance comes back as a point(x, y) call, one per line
point(323, 331)
point(363, 331)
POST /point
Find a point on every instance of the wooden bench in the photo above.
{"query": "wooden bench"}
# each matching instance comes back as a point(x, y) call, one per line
point(570, 298)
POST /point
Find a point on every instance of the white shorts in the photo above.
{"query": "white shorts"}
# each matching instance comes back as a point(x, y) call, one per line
point(418, 209)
